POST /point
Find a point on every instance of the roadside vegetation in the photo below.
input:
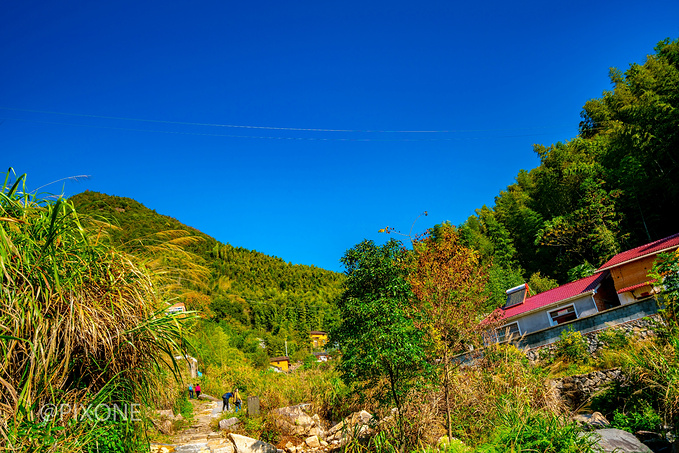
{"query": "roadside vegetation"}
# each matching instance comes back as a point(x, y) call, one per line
point(81, 327)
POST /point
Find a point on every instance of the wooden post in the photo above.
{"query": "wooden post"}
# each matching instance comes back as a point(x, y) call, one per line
point(253, 406)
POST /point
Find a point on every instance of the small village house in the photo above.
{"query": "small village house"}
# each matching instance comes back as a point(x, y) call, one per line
point(318, 338)
point(620, 291)
point(179, 307)
point(282, 363)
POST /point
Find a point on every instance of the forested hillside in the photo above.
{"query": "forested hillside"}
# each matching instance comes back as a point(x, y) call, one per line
point(250, 293)
point(613, 187)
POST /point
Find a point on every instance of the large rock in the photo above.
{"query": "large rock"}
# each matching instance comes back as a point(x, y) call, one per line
point(244, 444)
point(165, 426)
point(357, 424)
point(596, 420)
point(616, 440)
point(293, 421)
point(312, 442)
point(229, 423)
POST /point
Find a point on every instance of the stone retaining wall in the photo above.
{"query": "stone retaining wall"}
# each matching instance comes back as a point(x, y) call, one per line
point(599, 321)
point(640, 328)
point(575, 390)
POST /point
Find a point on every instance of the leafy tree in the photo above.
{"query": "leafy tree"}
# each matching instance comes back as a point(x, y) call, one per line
point(539, 283)
point(382, 348)
point(449, 283)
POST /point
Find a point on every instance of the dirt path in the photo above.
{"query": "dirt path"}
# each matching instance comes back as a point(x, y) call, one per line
point(199, 437)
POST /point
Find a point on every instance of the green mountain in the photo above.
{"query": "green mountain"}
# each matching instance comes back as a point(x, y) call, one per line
point(243, 290)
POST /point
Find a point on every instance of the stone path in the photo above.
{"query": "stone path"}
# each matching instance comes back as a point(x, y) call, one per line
point(199, 437)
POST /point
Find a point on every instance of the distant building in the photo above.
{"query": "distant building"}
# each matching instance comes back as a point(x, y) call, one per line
point(318, 338)
point(322, 356)
point(176, 308)
point(282, 363)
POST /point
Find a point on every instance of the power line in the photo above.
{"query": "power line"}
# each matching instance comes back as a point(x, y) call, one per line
point(186, 123)
point(435, 139)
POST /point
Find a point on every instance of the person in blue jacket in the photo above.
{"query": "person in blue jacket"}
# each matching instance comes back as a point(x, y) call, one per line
point(225, 400)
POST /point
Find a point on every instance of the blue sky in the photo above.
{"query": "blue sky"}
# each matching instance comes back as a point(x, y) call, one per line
point(145, 98)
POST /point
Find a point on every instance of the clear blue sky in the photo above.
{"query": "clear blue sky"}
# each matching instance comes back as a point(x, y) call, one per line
point(140, 95)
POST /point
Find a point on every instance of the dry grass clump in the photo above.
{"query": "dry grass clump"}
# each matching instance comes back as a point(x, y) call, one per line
point(502, 380)
point(79, 324)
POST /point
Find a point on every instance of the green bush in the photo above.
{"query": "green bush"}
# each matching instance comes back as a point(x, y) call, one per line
point(614, 338)
point(572, 346)
point(645, 420)
point(523, 428)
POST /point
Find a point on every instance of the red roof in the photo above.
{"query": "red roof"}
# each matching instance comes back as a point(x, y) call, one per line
point(633, 287)
point(563, 292)
point(658, 246)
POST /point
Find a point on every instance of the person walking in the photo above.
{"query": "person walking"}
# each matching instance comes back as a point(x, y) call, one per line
point(197, 391)
point(237, 402)
point(190, 391)
point(225, 400)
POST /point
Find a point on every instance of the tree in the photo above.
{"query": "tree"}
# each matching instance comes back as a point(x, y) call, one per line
point(381, 346)
point(449, 283)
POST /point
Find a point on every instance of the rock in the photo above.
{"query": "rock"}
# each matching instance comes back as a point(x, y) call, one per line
point(165, 413)
point(244, 444)
point(292, 420)
point(312, 442)
point(221, 446)
point(596, 420)
point(229, 423)
point(357, 418)
point(164, 426)
point(290, 447)
point(616, 440)
point(654, 441)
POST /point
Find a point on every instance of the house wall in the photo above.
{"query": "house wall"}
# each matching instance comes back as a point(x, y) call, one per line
point(626, 298)
point(283, 365)
point(533, 322)
point(632, 273)
point(617, 315)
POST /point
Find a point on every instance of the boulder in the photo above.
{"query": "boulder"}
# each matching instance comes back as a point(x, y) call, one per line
point(616, 440)
point(290, 447)
point(357, 424)
point(229, 423)
point(312, 442)
point(293, 421)
point(244, 444)
point(164, 426)
point(595, 420)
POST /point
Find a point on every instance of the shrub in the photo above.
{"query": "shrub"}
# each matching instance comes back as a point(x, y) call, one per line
point(573, 347)
point(523, 428)
point(81, 325)
point(614, 338)
point(645, 420)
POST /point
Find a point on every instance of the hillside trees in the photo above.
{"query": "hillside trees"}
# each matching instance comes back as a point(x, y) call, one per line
point(229, 284)
point(613, 187)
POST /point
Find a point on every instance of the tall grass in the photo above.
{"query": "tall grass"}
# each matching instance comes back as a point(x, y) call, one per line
point(80, 324)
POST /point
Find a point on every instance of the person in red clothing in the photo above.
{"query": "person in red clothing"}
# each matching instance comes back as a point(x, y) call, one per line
point(197, 388)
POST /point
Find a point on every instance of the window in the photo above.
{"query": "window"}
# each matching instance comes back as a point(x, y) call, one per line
point(508, 332)
point(563, 315)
